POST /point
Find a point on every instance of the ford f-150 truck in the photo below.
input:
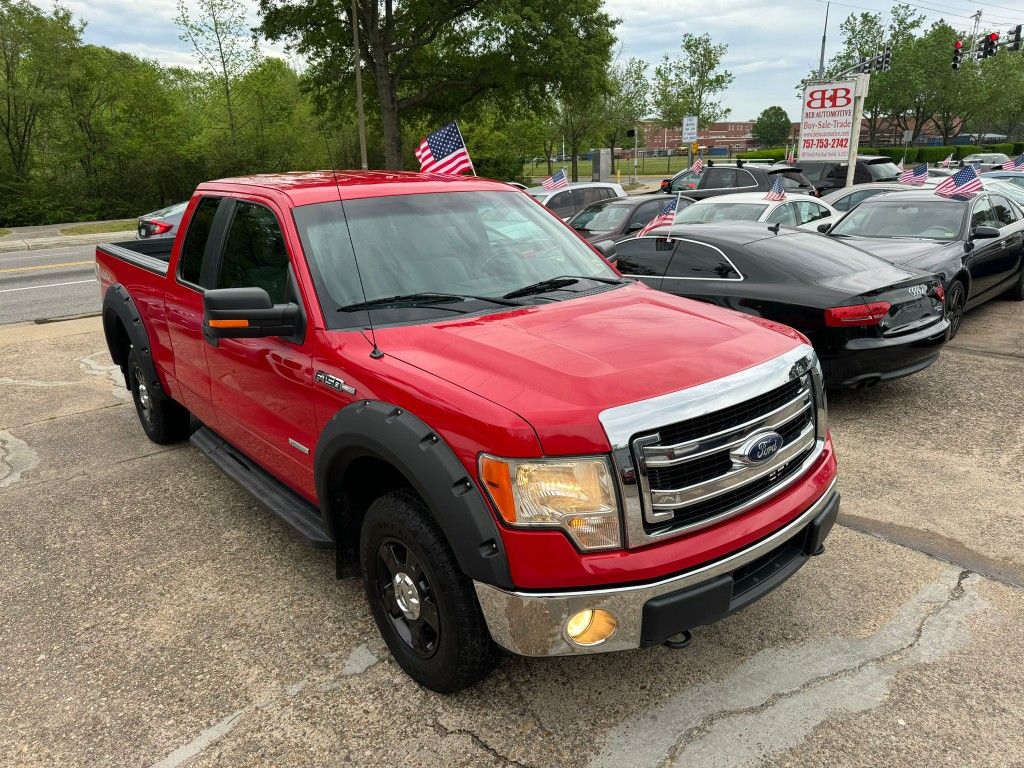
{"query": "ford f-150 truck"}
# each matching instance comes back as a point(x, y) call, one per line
point(513, 445)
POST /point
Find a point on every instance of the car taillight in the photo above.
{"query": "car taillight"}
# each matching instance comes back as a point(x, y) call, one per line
point(858, 314)
point(940, 292)
point(157, 227)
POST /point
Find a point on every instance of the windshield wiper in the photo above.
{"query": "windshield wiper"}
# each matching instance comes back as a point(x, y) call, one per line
point(423, 299)
point(554, 283)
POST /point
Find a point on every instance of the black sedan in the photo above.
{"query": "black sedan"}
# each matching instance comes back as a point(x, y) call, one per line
point(868, 319)
point(609, 220)
point(975, 244)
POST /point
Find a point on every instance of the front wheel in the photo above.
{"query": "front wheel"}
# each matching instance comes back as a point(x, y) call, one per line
point(956, 305)
point(424, 606)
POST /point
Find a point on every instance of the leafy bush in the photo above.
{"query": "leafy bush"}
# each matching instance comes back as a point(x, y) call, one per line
point(764, 154)
point(1006, 149)
point(499, 167)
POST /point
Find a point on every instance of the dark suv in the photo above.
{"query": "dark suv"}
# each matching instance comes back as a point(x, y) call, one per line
point(742, 177)
point(827, 176)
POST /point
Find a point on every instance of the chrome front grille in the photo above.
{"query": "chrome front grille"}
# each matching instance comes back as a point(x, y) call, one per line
point(680, 458)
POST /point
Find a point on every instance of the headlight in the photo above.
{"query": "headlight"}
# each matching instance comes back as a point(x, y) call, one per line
point(575, 495)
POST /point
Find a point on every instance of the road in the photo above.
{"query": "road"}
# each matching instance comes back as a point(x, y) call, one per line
point(60, 282)
point(152, 613)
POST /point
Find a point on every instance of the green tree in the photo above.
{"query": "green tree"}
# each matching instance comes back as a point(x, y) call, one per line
point(688, 84)
point(625, 104)
point(772, 127)
point(430, 59)
point(224, 44)
point(34, 51)
point(953, 97)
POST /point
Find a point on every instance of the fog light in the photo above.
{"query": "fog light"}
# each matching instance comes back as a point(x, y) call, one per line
point(590, 627)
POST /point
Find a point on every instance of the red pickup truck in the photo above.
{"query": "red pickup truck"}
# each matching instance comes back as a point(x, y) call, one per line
point(510, 443)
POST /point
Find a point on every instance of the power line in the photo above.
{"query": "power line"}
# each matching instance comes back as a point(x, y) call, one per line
point(941, 13)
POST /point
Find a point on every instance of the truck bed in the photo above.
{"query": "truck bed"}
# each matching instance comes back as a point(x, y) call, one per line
point(151, 255)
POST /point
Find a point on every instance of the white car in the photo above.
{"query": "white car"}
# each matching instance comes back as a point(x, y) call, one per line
point(566, 203)
point(803, 211)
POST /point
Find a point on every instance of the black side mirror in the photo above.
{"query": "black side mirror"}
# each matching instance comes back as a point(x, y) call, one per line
point(666, 185)
point(824, 227)
point(246, 313)
point(607, 248)
point(634, 227)
point(984, 233)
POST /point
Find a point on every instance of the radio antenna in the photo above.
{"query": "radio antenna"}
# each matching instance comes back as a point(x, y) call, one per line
point(375, 353)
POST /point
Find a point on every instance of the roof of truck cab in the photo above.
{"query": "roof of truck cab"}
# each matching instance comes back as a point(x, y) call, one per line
point(307, 187)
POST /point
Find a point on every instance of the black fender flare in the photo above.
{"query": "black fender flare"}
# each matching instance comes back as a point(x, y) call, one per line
point(119, 306)
point(392, 434)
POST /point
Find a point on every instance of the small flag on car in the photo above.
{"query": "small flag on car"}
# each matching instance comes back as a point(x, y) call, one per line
point(666, 216)
point(444, 151)
point(778, 192)
point(948, 161)
point(964, 182)
point(790, 159)
point(1014, 165)
point(555, 181)
point(698, 165)
point(915, 176)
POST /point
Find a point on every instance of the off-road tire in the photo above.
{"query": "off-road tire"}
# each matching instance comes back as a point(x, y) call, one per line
point(463, 652)
point(163, 420)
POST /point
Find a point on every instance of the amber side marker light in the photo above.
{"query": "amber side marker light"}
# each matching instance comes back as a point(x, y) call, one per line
point(228, 323)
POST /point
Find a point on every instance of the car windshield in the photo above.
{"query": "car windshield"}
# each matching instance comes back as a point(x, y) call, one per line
point(925, 219)
point(883, 171)
point(600, 217)
point(700, 213)
point(483, 244)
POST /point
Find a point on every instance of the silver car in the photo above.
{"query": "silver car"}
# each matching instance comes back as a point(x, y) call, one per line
point(850, 197)
point(162, 223)
point(566, 203)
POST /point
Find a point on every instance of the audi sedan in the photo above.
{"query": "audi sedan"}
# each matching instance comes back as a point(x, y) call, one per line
point(976, 244)
point(868, 320)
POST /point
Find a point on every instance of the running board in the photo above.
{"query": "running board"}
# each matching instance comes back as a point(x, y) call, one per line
point(275, 496)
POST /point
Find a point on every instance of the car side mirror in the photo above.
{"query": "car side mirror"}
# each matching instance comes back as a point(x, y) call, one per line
point(634, 227)
point(246, 313)
point(824, 227)
point(984, 233)
point(607, 248)
point(666, 185)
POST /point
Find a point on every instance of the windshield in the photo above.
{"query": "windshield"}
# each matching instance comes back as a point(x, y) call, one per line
point(482, 244)
point(700, 213)
point(883, 171)
point(926, 219)
point(600, 217)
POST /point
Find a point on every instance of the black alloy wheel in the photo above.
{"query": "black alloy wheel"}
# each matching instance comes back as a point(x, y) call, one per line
point(408, 597)
point(956, 304)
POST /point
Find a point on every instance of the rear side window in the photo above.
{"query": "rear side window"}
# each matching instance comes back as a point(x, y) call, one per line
point(696, 260)
point(194, 247)
point(561, 204)
point(254, 253)
point(1004, 211)
point(718, 178)
point(784, 214)
point(644, 256)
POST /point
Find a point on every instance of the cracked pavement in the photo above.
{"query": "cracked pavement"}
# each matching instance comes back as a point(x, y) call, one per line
point(153, 614)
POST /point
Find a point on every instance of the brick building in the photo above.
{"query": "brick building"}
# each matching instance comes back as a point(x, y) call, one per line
point(732, 135)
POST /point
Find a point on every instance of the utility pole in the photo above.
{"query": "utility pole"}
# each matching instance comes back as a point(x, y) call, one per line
point(824, 32)
point(977, 24)
point(357, 62)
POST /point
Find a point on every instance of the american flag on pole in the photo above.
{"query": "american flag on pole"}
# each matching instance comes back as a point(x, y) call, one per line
point(964, 182)
point(915, 176)
point(1014, 165)
point(948, 161)
point(790, 158)
point(666, 216)
point(698, 165)
point(778, 192)
point(555, 181)
point(444, 151)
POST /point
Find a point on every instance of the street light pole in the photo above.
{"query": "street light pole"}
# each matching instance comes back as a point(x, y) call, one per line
point(824, 31)
point(357, 62)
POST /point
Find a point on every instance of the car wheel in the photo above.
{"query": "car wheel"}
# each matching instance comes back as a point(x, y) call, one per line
point(163, 420)
point(424, 606)
point(956, 304)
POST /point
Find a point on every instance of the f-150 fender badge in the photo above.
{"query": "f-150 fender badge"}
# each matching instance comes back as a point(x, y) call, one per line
point(334, 383)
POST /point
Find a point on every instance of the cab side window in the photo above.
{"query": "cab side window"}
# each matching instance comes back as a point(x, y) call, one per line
point(644, 256)
point(192, 250)
point(254, 253)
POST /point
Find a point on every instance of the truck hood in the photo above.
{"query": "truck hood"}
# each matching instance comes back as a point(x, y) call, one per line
point(558, 365)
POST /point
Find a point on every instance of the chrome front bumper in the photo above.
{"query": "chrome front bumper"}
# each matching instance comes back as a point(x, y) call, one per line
point(533, 623)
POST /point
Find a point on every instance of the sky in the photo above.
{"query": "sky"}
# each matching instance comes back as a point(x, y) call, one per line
point(772, 43)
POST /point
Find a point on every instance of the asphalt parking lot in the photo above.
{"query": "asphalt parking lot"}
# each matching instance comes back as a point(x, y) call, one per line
point(153, 614)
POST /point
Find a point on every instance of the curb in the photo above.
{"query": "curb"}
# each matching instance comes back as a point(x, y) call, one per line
point(9, 243)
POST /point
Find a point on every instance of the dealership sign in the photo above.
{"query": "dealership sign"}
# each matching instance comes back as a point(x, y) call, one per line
point(827, 121)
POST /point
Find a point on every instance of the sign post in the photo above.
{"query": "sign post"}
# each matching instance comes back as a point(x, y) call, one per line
point(830, 121)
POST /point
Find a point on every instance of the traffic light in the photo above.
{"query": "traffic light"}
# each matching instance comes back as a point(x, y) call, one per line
point(887, 57)
point(1013, 43)
point(958, 54)
point(988, 44)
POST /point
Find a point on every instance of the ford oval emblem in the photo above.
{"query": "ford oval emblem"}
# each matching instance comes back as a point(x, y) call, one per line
point(760, 447)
